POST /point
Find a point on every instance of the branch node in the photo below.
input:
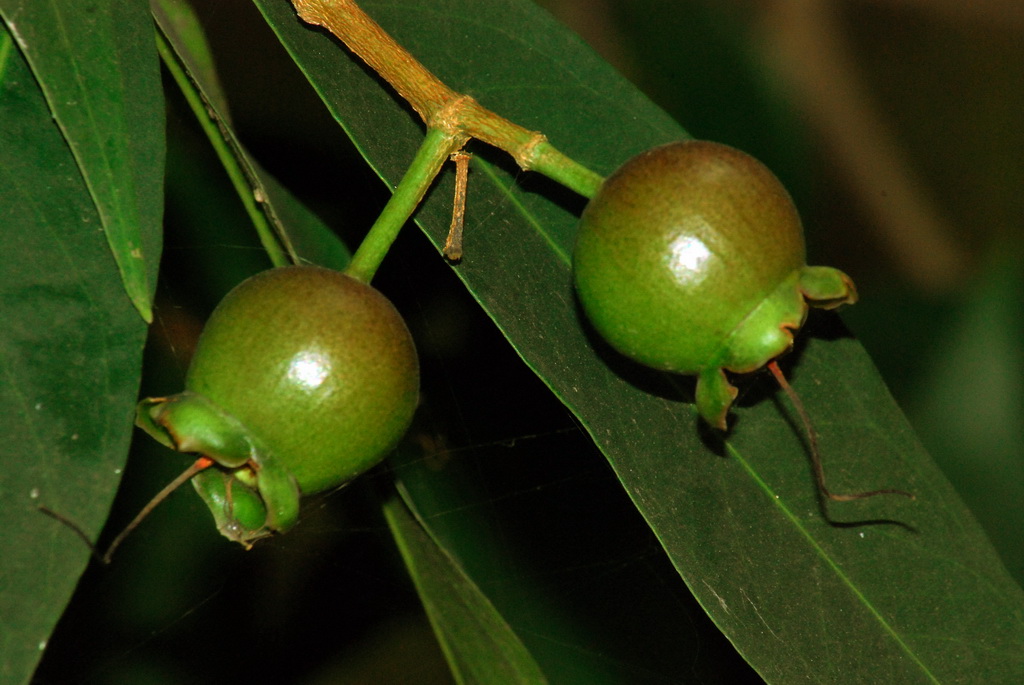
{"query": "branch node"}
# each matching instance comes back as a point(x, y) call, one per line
point(526, 154)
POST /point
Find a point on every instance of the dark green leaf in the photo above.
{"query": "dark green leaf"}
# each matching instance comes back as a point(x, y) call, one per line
point(98, 70)
point(479, 645)
point(871, 591)
point(70, 357)
point(543, 527)
point(261, 193)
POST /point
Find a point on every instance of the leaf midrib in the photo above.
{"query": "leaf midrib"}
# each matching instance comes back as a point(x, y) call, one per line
point(779, 504)
point(107, 167)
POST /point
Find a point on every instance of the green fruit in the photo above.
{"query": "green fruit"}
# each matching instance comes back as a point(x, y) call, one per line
point(302, 379)
point(690, 258)
point(319, 365)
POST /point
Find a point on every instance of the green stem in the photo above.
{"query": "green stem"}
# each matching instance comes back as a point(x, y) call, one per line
point(437, 146)
point(567, 171)
point(224, 151)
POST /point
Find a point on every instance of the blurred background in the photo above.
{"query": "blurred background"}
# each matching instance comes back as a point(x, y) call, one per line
point(895, 124)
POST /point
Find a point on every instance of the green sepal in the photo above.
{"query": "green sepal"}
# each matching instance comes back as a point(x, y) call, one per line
point(826, 288)
point(714, 396)
point(767, 331)
point(238, 510)
point(249, 493)
point(188, 422)
point(280, 495)
point(248, 505)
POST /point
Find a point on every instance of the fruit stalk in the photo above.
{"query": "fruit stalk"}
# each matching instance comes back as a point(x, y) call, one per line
point(437, 146)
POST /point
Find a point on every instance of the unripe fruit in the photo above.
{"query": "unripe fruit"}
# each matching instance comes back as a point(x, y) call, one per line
point(302, 379)
point(690, 258)
point(317, 364)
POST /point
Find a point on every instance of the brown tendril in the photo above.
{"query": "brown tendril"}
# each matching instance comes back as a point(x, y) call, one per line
point(812, 440)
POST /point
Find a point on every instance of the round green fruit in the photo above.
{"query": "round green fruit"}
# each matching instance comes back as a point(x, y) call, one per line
point(690, 258)
point(302, 379)
point(319, 365)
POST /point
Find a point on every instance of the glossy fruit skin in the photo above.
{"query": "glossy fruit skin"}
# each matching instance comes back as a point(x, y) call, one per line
point(303, 378)
point(318, 364)
point(690, 258)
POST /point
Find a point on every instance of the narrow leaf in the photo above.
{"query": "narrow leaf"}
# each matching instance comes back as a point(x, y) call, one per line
point(70, 360)
point(479, 645)
point(97, 67)
point(268, 203)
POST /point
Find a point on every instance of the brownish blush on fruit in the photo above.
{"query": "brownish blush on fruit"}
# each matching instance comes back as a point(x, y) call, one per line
point(690, 258)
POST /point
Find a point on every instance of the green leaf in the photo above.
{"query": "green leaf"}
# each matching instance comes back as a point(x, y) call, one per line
point(70, 358)
point(544, 528)
point(98, 71)
point(870, 591)
point(268, 203)
point(479, 645)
